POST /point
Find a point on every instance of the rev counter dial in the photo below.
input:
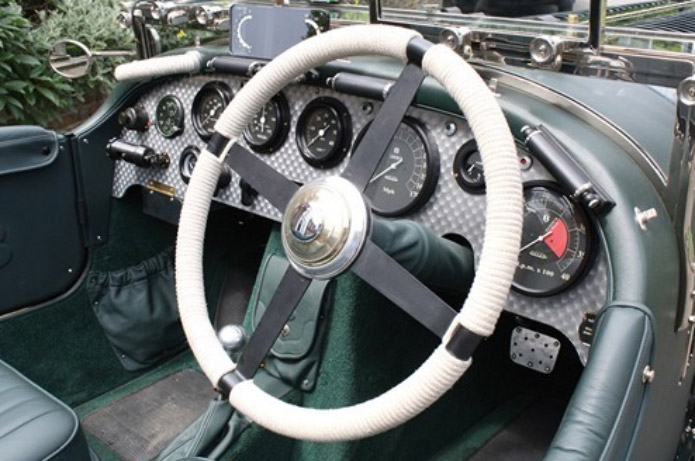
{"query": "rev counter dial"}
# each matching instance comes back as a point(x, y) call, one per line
point(555, 244)
point(407, 173)
point(268, 129)
point(324, 132)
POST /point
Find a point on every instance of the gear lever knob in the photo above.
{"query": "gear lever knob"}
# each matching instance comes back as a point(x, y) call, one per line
point(232, 338)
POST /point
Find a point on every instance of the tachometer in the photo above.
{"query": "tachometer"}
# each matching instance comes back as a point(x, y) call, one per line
point(268, 129)
point(208, 106)
point(170, 115)
point(407, 173)
point(555, 245)
point(324, 132)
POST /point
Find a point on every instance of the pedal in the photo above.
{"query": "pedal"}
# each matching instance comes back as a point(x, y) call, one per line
point(534, 350)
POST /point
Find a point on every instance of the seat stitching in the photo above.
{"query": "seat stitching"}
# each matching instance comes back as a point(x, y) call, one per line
point(6, 410)
point(27, 422)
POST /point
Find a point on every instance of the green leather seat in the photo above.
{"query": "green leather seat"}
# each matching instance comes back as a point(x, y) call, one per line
point(34, 425)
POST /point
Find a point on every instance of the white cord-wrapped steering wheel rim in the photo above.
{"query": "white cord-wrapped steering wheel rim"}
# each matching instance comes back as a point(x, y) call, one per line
point(495, 271)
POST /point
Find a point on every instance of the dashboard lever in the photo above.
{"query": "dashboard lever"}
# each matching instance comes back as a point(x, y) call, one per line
point(139, 155)
point(573, 179)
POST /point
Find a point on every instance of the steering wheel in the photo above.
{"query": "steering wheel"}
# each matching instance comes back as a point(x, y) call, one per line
point(325, 232)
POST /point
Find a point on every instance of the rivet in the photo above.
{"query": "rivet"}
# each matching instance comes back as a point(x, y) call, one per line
point(450, 128)
point(85, 140)
point(285, 330)
point(69, 270)
point(306, 384)
point(99, 238)
point(648, 374)
point(367, 107)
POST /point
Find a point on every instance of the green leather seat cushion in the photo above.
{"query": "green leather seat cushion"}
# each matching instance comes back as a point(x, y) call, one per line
point(35, 425)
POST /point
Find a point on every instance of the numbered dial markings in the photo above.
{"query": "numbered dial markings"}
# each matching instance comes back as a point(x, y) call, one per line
point(268, 129)
point(169, 115)
point(324, 132)
point(555, 245)
point(208, 106)
point(407, 173)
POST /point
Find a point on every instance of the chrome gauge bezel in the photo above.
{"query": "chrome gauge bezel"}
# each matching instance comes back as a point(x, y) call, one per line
point(180, 116)
point(218, 88)
point(282, 112)
point(344, 137)
point(429, 184)
point(590, 247)
point(463, 178)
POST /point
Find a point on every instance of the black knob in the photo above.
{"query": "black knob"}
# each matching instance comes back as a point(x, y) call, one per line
point(135, 118)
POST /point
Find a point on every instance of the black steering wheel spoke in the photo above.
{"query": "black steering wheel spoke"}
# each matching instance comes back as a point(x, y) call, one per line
point(285, 299)
point(376, 140)
point(275, 187)
point(389, 278)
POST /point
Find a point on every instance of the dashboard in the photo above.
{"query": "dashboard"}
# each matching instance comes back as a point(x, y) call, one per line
point(430, 174)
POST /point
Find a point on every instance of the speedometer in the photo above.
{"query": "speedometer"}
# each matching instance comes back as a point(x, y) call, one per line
point(555, 245)
point(208, 106)
point(407, 173)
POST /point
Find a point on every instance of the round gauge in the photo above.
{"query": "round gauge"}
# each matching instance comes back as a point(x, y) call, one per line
point(208, 106)
point(324, 132)
point(268, 129)
point(170, 115)
point(407, 173)
point(555, 244)
point(189, 157)
point(468, 168)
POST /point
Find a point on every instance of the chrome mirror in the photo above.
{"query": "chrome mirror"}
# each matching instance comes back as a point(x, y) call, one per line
point(73, 59)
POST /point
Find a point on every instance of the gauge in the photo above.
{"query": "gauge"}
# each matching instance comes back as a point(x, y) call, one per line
point(268, 128)
point(208, 106)
point(407, 173)
point(189, 157)
point(170, 115)
point(555, 245)
point(324, 132)
point(468, 168)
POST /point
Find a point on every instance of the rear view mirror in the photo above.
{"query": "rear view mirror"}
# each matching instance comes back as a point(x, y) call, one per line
point(73, 59)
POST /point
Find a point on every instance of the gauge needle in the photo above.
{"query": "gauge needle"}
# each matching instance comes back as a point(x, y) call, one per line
point(322, 132)
point(536, 240)
point(392, 166)
point(263, 119)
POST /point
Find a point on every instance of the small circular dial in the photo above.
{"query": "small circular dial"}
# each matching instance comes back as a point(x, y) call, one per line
point(407, 173)
point(170, 115)
point(468, 168)
point(208, 106)
point(189, 157)
point(555, 245)
point(268, 129)
point(324, 132)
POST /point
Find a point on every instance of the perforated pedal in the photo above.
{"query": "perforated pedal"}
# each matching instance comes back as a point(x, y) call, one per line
point(534, 350)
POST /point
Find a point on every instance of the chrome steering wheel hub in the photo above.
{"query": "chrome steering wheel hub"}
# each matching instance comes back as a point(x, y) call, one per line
point(324, 227)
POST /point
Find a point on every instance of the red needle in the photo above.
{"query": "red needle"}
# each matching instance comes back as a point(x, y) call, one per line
point(556, 238)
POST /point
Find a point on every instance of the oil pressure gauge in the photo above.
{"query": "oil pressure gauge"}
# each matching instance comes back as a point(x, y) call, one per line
point(555, 244)
point(170, 116)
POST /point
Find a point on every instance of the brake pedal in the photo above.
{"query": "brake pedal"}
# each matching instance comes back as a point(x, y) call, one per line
point(534, 350)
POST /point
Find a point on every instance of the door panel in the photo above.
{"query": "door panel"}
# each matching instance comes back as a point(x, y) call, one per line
point(41, 250)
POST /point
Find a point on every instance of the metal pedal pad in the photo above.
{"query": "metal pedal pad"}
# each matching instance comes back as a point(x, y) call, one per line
point(534, 350)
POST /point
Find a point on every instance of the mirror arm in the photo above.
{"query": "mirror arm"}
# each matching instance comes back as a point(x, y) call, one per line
point(597, 23)
point(113, 54)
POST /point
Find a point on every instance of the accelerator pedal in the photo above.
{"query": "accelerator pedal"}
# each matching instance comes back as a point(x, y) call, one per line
point(534, 350)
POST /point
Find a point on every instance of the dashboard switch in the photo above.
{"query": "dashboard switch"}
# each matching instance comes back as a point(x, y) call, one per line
point(135, 118)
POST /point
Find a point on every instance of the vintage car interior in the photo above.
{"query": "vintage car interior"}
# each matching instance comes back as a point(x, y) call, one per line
point(332, 231)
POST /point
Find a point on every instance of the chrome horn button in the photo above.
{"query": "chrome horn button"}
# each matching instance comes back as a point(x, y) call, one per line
point(324, 227)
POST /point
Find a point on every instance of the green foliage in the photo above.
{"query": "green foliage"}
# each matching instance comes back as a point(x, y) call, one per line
point(29, 92)
point(94, 24)
point(31, 8)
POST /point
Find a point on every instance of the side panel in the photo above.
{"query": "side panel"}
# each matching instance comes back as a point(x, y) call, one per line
point(41, 251)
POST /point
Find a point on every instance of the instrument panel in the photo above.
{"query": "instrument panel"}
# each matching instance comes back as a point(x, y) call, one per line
point(431, 173)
